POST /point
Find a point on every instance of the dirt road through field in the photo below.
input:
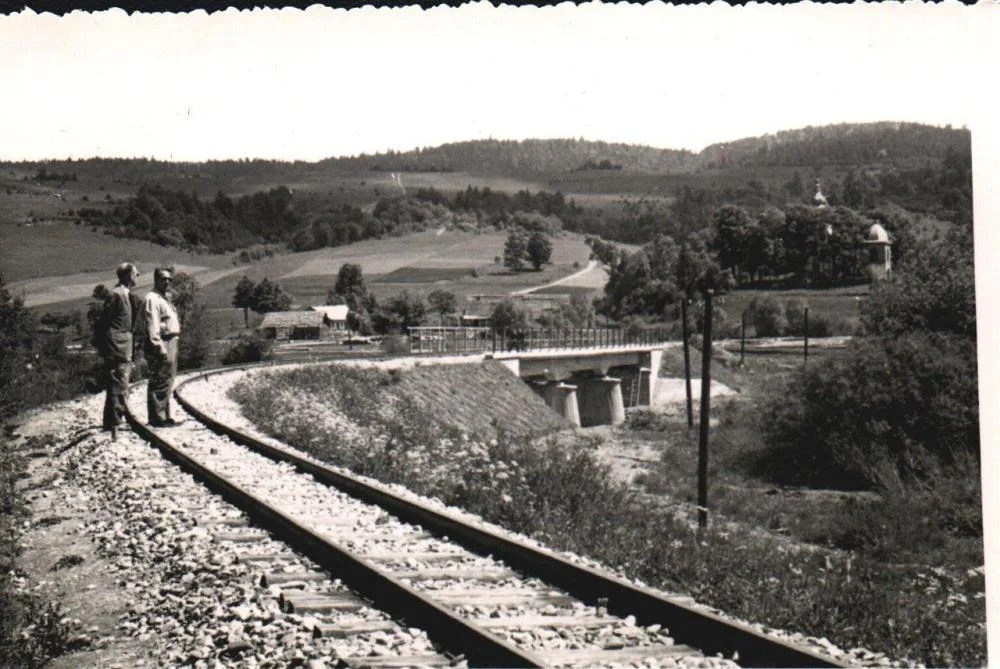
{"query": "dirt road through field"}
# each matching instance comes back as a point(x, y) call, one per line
point(594, 275)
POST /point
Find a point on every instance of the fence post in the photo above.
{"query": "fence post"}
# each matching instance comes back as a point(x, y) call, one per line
point(805, 346)
point(743, 336)
point(706, 383)
point(687, 361)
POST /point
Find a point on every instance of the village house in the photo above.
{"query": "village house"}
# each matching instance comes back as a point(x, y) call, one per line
point(288, 325)
point(334, 316)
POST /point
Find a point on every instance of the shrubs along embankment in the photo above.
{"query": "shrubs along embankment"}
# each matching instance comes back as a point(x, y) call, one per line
point(555, 490)
point(477, 398)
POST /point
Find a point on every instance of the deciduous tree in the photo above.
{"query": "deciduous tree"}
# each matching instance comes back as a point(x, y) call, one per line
point(515, 249)
point(602, 251)
point(443, 302)
point(243, 298)
point(399, 313)
point(268, 296)
point(508, 316)
point(349, 289)
point(731, 233)
point(934, 290)
point(185, 294)
point(350, 284)
point(539, 249)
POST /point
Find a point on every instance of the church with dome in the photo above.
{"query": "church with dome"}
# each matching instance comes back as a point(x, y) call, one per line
point(876, 252)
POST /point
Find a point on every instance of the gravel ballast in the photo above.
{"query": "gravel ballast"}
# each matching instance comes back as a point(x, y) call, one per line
point(368, 531)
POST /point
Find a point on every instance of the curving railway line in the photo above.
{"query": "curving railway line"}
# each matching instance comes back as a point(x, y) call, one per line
point(357, 559)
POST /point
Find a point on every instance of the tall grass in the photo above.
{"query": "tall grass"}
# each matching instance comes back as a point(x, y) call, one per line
point(32, 630)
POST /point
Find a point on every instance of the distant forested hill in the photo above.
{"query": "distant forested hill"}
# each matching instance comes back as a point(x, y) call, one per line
point(900, 145)
point(847, 144)
point(493, 156)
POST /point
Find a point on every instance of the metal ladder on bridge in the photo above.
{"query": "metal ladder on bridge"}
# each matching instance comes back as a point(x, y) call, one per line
point(633, 391)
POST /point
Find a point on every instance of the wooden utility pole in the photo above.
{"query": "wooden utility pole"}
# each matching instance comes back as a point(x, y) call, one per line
point(687, 360)
point(706, 383)
point(743, 336)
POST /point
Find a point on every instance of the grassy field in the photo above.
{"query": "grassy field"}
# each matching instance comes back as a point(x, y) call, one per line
point(461, 262)
point(840, 306)
point(57, 262)
point(39, 239)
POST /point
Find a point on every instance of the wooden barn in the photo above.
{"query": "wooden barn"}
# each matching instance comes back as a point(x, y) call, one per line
point(288, 325)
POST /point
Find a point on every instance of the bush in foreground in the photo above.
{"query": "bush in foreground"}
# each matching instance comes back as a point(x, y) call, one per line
point(889, 412)
point(247, 348)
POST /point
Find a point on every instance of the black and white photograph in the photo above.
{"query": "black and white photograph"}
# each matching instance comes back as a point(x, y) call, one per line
point(584, 335)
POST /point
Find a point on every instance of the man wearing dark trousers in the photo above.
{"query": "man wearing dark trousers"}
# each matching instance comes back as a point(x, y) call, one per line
point(162, 330)
point(114, 342)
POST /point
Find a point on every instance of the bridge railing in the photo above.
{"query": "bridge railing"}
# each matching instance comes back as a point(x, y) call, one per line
point(441, 340)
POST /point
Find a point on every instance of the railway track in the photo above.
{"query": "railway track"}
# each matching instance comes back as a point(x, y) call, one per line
point(360, 560)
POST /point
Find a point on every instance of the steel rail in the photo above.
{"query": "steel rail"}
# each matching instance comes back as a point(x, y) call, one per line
point(480, 647)
point(704, 630)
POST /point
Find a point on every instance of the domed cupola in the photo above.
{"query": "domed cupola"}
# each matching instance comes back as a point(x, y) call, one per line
point(878, 252)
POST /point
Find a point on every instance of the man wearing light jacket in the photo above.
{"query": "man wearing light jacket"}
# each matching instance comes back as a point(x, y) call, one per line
point(162, 330)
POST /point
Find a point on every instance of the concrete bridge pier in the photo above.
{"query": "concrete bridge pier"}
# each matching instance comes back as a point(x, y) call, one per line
point(606, 379)
point(615, 401)
point(601, 401)
point(565, 402)
point(561, 398)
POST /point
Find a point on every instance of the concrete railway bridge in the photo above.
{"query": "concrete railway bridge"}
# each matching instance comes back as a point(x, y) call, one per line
point(589, 376)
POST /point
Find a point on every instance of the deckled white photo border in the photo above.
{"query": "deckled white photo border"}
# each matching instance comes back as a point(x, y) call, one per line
point(962, 39)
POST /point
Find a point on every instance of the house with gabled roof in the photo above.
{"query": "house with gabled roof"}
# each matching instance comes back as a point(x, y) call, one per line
point(334, 316)
point(288, 325)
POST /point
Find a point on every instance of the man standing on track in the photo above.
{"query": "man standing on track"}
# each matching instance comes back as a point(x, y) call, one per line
point(114, 342)
point(162, 329)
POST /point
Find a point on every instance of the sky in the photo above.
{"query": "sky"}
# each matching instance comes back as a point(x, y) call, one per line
point(306, 85)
